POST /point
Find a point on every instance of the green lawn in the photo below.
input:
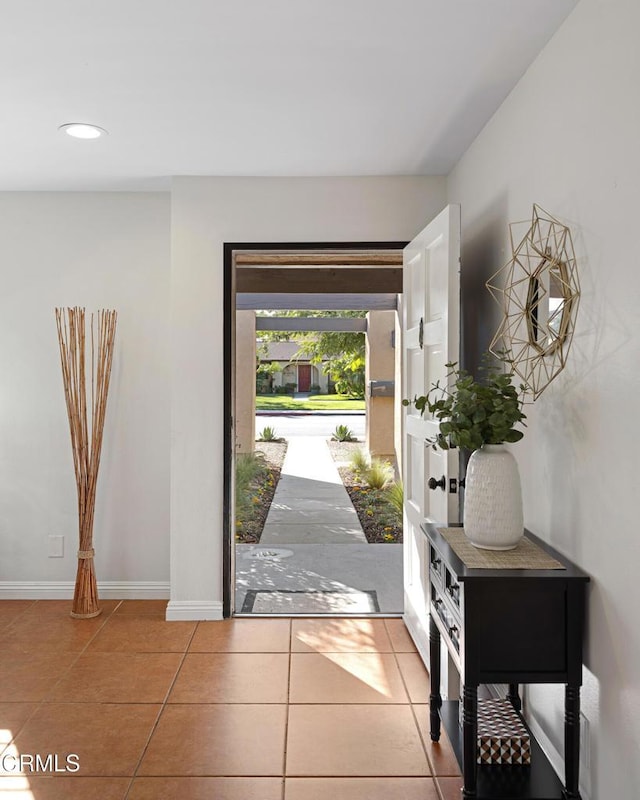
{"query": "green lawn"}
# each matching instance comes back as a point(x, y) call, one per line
point(317, 402)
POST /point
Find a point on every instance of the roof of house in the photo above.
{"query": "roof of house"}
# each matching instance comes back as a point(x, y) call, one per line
point(282, 351)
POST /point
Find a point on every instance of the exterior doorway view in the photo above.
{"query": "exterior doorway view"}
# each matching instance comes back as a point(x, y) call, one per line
point(419, 283)
point(315, 454)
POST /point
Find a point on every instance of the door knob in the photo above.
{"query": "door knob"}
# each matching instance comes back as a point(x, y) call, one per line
point(432, 483)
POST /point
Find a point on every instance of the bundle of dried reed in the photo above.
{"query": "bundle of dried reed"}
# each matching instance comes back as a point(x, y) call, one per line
point(86, 440)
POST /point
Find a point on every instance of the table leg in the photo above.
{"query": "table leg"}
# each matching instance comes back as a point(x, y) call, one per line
point(469, 738)
point(435, 699)
point(571, 741)
point(514, 695)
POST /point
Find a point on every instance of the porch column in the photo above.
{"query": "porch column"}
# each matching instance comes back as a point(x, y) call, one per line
point(380, 366)
point(245, 381)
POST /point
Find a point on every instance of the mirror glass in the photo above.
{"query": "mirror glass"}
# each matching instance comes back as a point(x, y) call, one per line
point(548, 311)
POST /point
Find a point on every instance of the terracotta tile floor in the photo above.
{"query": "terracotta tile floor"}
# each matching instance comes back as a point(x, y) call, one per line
point(264, 709)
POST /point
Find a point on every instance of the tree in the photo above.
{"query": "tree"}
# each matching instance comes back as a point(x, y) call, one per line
point(264, 375)
point(347, 373)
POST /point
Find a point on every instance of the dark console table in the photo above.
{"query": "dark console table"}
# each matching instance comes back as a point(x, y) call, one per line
point(511, 626)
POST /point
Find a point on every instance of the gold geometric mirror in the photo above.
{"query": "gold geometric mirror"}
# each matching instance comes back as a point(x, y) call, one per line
point(539, 292)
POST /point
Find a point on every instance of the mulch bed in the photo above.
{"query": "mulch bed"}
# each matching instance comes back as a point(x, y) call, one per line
point(379, 520)
point(263, 489)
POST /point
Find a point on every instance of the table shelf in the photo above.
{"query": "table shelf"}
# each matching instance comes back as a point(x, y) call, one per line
point(504, 781)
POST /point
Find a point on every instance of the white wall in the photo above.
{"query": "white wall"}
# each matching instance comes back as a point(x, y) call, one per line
point(98, 251)
point(206, 213)
point(567, 138)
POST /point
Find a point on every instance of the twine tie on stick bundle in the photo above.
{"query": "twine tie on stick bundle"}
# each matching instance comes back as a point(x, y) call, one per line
point(86, 440)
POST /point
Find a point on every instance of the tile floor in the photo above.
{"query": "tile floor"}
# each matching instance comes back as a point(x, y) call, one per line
point(265, 709)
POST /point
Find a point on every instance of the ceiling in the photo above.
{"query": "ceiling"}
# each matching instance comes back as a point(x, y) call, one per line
point(254, 87)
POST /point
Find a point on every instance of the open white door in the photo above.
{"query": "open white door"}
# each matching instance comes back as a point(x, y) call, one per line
point(430, 340)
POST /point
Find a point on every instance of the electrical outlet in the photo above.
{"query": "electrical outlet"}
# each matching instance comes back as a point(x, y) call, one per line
point(56, 547)
point(585, 745)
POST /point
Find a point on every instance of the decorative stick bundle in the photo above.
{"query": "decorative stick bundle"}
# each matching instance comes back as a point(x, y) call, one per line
point(86, 440)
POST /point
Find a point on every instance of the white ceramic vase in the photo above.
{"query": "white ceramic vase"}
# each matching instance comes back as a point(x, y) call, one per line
point(493, 499)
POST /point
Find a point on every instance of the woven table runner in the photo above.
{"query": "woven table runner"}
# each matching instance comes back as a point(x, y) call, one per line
point(526, 555)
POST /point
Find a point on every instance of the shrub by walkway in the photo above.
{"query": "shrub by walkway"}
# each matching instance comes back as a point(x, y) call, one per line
point(256, 482)
point(380, 520)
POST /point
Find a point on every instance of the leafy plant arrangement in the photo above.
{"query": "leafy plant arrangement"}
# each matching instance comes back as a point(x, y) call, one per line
point(343, 434)
point(473, 413)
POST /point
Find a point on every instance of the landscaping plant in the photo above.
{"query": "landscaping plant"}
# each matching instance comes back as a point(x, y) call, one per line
point(257, 476)
point(395, 496)
point(370, 486)
point(359, 461)
point(343, 434)
point(268, 434)
point(250, 467)
point(378, 474)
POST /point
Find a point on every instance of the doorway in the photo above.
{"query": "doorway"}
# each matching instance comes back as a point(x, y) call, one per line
point(308, 271)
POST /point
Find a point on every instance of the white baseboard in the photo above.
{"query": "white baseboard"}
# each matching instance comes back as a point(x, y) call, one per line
point(63, 590)
point(555, 757)
point(550, 750)
point(115, 590)
point(193, 610)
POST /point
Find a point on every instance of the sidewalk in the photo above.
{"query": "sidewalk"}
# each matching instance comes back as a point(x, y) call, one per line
point(311, 505)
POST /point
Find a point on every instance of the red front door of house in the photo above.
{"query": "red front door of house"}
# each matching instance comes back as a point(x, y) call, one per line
point(304, 377)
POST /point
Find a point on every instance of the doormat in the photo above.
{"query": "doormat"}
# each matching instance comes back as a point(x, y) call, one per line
point(310, 601)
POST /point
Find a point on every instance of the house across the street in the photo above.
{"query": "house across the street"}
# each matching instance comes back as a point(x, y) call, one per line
point(297, 373)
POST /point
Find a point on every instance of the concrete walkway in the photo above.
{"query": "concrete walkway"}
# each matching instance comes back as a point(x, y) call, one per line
point(311, 505)
point(311, 578)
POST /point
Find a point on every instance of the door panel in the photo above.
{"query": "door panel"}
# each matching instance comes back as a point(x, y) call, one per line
point(430, 339)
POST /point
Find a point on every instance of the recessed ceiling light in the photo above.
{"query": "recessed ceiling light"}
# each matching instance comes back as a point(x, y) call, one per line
point(82, 130)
